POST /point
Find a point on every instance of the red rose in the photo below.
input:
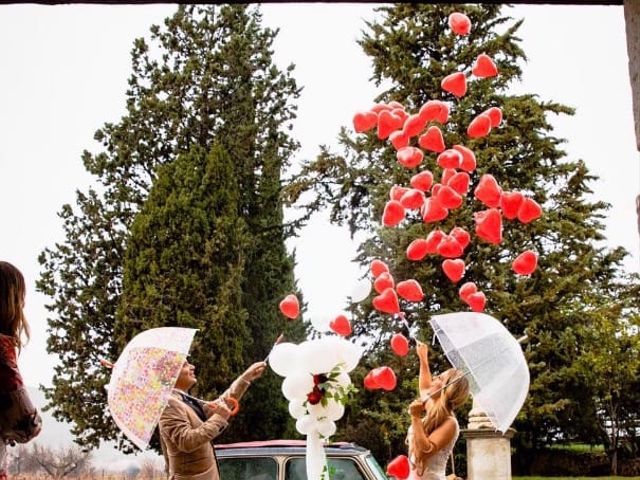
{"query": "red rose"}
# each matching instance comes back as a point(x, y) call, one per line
point(315, 396)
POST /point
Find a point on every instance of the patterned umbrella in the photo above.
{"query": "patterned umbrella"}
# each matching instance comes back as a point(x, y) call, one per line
point(143, 377)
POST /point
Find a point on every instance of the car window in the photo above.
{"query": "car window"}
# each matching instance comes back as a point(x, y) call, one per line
point(339, 469)
point(376, 468)
point(248, 468)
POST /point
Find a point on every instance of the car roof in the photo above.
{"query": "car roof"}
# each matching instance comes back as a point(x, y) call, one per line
point(285, 447)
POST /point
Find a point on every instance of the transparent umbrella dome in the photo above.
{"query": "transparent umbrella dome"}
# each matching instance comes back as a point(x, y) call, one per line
point(491, 358)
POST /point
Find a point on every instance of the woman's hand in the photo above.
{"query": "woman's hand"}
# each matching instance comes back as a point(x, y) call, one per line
point(422, 350)
point(254, 371)
point(416, 408)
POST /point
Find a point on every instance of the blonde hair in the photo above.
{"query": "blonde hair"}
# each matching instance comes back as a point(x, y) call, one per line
point(12, 295)
point(455, 391)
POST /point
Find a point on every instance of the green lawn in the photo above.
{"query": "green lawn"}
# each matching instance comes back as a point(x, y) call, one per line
point(574, 478)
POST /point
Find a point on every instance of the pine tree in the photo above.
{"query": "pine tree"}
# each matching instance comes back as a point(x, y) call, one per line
point(207, 77)
point(412, 49)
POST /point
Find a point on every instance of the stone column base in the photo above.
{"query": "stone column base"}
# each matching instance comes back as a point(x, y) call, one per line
point(488, 454)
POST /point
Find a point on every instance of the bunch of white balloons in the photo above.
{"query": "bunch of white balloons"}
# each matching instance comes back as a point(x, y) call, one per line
point(298, 364)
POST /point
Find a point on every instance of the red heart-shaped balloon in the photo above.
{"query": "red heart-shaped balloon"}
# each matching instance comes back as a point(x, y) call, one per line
point(398, 139)
point(468, 158)
point(341, 325)
point(477, 301)
point(435, 190)
point(510, 204)
point(400, 113)
point(413, 125)
point(290, 307)
point(370, 382)
point(393, 213)
point(397, 192)
point(467, 289)
point(479, 126)
point(378, 267)
point(461, 235)
point(385, 378)
point(449, 247)
point(447, 174)
point(433, 240)
point(410, 290)
point(409, 157)
point(433, 211)
point(529, 210)
point(412, 199)
point(456, 83)
point(399, 344)
point(434, 110)
point(495, 114)
point(489, 225)
point(525, 263)
point(388, 122)
point(460, 182)
point(417, 249)
point(383, 281)
point(459, 23)
point(432, 140)
point(379, 107)
point(387, 302)
point(449, 198)
point(488, 191)
point(364, 121)
point(450, 159)
point(422, 181)
point(453, 269)
point(484, 67)
point(399, 467)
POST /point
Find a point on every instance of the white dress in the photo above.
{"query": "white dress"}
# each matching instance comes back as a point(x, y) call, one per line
point(436, 466)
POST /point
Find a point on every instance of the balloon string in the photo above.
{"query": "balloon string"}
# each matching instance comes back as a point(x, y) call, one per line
point(278, 340)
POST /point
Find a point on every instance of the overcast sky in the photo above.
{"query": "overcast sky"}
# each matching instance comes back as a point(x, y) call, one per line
point(63, 73)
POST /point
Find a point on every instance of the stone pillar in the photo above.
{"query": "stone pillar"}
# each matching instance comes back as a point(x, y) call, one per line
point(488, 451)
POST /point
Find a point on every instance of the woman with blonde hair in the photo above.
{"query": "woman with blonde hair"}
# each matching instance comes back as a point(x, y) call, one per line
point(19, 420)
point(434, 428)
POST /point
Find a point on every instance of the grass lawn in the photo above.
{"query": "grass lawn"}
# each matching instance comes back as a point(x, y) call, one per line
point(574, 478)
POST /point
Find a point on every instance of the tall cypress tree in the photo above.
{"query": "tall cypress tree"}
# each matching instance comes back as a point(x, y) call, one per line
point(206, 77)
point(412, 50)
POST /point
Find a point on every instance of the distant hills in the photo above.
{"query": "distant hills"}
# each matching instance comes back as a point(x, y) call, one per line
point(57, 434)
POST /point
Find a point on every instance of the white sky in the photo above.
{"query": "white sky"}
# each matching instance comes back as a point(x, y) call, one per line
point(63, 73)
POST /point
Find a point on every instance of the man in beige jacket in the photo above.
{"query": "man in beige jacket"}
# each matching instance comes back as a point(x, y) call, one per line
point(187, 426)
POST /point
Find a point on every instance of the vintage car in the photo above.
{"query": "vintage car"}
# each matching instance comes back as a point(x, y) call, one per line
point(285, 460)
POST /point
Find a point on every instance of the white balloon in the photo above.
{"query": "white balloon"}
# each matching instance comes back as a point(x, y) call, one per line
point(296, 409)
point(297, 385)
point(360, 291)
point(306, 424)
point(326, 428)
point(317, 356)
point(332, 411)
point(283, 358)
point(348, 354)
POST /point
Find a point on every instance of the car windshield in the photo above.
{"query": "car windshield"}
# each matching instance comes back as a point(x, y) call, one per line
point(376, 468)
point(339, 469)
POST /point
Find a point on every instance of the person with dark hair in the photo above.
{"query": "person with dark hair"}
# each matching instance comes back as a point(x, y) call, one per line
point(19, 420)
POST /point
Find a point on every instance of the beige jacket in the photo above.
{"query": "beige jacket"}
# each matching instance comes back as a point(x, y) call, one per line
point(186, 440)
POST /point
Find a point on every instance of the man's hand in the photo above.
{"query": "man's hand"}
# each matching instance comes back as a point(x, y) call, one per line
point(254, 371)
point(416, 408)
point(422, 350)
point(219, 407)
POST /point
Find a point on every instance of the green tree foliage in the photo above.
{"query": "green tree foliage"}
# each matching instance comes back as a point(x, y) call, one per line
point(206, 77)
point(411, 50)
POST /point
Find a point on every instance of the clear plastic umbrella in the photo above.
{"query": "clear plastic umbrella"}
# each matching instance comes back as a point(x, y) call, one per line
point(490, 357)
point(143, 377)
